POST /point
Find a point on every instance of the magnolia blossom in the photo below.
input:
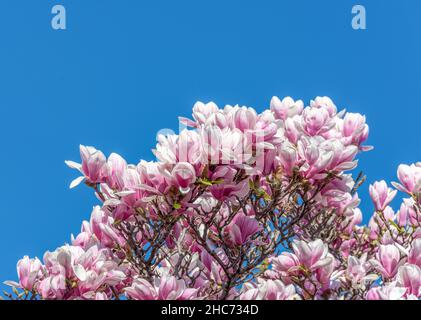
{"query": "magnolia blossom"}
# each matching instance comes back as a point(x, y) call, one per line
point(286, 108)
point(387, 292)
point(164, 288)
point(242, 228)
point(388, 260)
point(184, 175)
point(269, 290)
point(409, 277)
point(381, 195)
point(358, 270)
point(410, 178)
point(313, 255)
point(414, 255)
point(28, 271)
point(239, 205)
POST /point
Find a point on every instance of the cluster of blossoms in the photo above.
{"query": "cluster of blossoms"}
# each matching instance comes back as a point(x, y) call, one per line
point(239, 205)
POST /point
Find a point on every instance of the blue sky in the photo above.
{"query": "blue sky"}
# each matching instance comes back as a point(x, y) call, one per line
point(125, 69)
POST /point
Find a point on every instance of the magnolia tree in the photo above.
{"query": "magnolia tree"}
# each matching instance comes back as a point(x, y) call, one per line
point(239, 205)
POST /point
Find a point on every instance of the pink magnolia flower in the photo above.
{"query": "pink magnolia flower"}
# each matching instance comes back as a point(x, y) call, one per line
point(388, 260)
point(101, 226)
point(94, 269)
point(151, 177)
point(228, 188)
point(267, 127)
point(164, 288)
point(285, 264)
point(233, 147)
point(324, 103)
point(101, 296)
point(409, 277)
point(202, 112)
point(388, 292)
point(189, 149)
point(114, 170)
point(381, 195)
point(402, 215)
point(414, 256)
point(74, 273)
point(408, 213)
point(353, 125)
point(268, 290)
point(242, 228)
point(313, 255)
point(354, 130)
point(342, 156)
point(92, 167)
point(292, 128)
point(316, 121)
point(376, 224)
point(245, 118)
point(316, 159)
point(93, 162)
point(410, 178)
point(211, 141)
point(53, 287)
point(352, 221)
point(347, 246)
point(286, 108)
point(358, 268)
point(29, 270)
point(212, 269)
point(288, 157)
point(183, 175)
point(218, 119)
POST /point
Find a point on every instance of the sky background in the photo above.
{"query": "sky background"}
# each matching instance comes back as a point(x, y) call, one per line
point(125, 69)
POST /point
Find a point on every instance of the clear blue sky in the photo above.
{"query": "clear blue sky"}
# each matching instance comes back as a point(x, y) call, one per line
point(125, 69)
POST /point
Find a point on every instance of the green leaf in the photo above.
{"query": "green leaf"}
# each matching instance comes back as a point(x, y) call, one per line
point(209, 183)
point(218, 181)
point(267, 197)
point(176, 205)
point(393, 223)
point(205, 182)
